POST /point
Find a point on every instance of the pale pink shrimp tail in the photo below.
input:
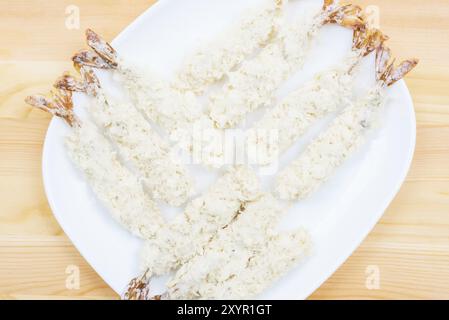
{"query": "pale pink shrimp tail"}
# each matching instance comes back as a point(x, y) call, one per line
point(138, 288)
point(386, 72)
point(102, 55)
point(349, 15)
point(89, 83)
point(101, 47)
point(88, 58)
point(69, 83)
point(59, 104)
point(368, 40)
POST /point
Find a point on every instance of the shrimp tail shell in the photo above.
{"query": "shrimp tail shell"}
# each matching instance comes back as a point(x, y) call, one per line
point(386, 71)
point(69, 83)
point(102, 48)
point(349, 15)
point(89, 83)
point(367, 40)
point(139, 288)
point(59, 104)
point(88, 58)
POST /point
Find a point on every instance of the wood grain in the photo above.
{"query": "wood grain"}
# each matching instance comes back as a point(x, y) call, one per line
point(409, 246)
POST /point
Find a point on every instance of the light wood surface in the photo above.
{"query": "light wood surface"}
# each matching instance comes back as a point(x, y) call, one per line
point(409, 246)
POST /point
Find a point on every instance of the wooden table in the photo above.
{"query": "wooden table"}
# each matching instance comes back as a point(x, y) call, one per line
point(409, 247)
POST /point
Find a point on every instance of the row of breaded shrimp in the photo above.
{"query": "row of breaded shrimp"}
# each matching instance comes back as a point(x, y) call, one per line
point(328, 92)
point(212, 224)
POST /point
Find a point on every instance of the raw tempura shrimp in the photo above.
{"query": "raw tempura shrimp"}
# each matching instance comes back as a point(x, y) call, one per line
point(216, 58)
point(254, 84)
point(344, 136)
point(173, 110)
point(317, 98)
point(187, 235)
point(114, 185)
point(230, 266)
point(238, 263)
point(137, 142)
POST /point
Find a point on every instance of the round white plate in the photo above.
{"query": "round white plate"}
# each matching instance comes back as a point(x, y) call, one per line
point(339, 215)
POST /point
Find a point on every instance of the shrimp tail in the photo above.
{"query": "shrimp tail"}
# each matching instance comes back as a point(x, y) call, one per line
point(349, 15)
point(69, 83)
point(88, 58)
point(102, 48)
point(164, 296)
point(89, 83)
point(139, 288)
point(386, 71)
point(367, 40)
point(59, 104)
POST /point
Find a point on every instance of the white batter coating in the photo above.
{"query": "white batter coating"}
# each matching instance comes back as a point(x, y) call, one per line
point(114, 185)
point(291, 118)
point(332, 147)
point(230, 267)
point(254, 84)
point(189, 233)
point(173, 110)
point(278, 255)
point(214, 60)
point(178, 113)
point(141, 146)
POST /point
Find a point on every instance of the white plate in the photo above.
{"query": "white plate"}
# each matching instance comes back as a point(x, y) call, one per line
point(339, 216)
